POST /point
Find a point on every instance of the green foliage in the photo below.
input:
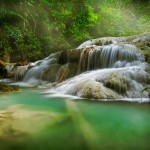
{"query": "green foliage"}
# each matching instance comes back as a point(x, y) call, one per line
point(24, 42)
point(121, 18)
point(32, 29)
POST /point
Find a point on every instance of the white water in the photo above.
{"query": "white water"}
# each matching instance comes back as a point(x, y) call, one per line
point(39, 68)
point(114, 56)
point(95, 84)
point(119, 73)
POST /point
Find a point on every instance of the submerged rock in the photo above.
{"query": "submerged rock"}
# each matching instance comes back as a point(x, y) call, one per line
point(19, 122)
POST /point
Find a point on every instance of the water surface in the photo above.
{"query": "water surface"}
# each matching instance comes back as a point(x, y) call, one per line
point(30, 120)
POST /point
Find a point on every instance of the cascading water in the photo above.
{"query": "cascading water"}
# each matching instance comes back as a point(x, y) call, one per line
point(112, 71)
point(40, 69)
point(9, 68)
point(119, 73)
point(107, 83)
point(16, 72)
point(113, 56)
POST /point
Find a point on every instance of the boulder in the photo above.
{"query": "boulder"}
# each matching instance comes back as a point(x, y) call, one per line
point(51, 72)
point(67, 71)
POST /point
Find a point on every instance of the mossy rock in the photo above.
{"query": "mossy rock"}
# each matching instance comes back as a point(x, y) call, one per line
point(67, 71)
point(143, 43)
point(11, 75)
point(95, 90)
point(62, 57)
point(73, 67)
point(21, 64)
point(8, 88)
point(51, 73)
point(84, 59)
point(145, 48)
point(117, 83)
point(71, 55)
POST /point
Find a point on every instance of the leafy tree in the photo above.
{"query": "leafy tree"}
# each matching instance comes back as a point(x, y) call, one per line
point(32, 29)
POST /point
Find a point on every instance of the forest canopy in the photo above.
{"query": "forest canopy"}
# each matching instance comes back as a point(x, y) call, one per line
point(32, 29)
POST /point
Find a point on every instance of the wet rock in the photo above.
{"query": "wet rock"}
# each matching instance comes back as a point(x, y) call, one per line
point(24, 63)
point(71, 55)
point(18, 72)
point(62, 57)
point(145, 48)
point(67, 71)
point(8, 88)
point(141, 38)
point(83, 61)
point(73, 67)
point(107, 83)
point(142, 41)
point(101, 41)
point(95, 90)
point(51, 72)
point(117, 83)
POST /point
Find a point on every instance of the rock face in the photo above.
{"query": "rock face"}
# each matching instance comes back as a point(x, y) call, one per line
point(3, 71)
point(143, 42)
point(120, 67)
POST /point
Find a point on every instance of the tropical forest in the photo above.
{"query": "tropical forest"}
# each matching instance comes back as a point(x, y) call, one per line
point(74, 74)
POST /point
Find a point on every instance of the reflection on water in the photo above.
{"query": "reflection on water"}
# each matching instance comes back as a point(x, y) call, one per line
point(31, 121)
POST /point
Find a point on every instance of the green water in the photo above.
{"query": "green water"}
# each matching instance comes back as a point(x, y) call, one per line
point(32, 121)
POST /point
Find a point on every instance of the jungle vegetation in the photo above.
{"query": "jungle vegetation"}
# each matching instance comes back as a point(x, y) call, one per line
point(32, 29)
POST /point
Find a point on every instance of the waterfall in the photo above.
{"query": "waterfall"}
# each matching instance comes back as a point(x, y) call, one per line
point(9, 67)
point(114, 56)
point(119, 72)
point(97, 69)
point(41, 69)
point(107, 83)
point(18, 72)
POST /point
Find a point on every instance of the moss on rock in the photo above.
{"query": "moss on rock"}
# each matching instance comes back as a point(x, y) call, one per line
point(117, 83)
point(8, 88)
